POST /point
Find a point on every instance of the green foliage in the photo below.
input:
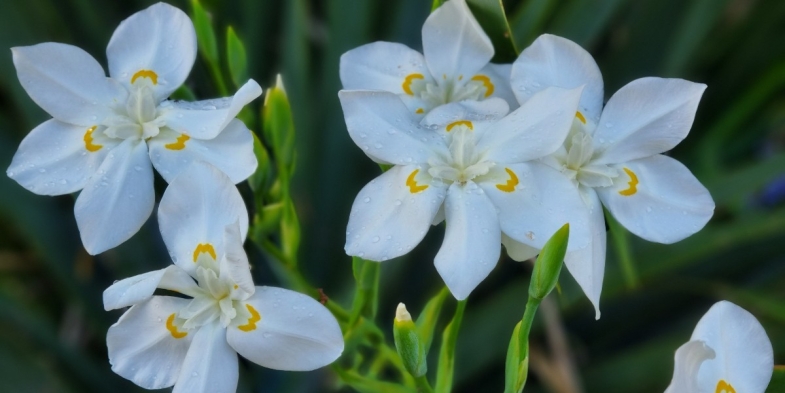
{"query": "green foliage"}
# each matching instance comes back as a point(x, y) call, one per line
point(490, 14)
point(546, 271)
point(236, 58)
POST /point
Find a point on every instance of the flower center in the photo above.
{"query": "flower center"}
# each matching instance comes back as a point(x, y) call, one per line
point(464, 162)
point(576, 161)
point(139, 117)
point(216, 300)
point(446, 90)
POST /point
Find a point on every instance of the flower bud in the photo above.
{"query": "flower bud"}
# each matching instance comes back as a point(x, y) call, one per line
point(548, 266)
point(408, 342)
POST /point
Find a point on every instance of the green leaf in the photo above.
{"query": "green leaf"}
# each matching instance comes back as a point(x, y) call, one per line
point(584, 20)
point(491, 16)
point(548, 265)
point(515, 370)
point(205, 35)
point(777, 384)
point(367, 385)
point(426, 322)
point(261, 180)
point(236, 58)
point(529, 20)
point(183, 93)
point(436, 4)
point(446, 368)
point(621, 243)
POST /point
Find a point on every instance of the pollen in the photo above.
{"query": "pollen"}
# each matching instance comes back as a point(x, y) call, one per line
point(633, 188)
point(580, 117)
point(179, 144)
point(145, 74)
point(460, 122)
point(255, 317)
point(407, 82)
point(173, 329)
point(511, 183)
point(486, 82)
point(204, 248)
point(724, 387)
point(413, 186)
point(88, 140)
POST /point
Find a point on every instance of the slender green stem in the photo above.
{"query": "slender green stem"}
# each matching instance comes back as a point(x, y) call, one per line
point(423, 385)
point(446, 367)
point(526, 325)
point(622, 245)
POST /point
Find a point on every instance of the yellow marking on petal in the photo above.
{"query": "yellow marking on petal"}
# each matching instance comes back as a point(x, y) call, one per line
point(255, 317)
point(633, 184)
point(460, 77)
point(486, 82)
point(419, 110)
point(413, 186)
point(173, 329)
point(180, 144)
point(511, 183)
point(88, 140)
point(407, 82)
point(460, 122)
point(236, 286)
point(145, 74)
point(204, 247)
point(580, 117)
point(724, 387)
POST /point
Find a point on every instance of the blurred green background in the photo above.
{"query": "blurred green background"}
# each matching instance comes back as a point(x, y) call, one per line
point(52, 323)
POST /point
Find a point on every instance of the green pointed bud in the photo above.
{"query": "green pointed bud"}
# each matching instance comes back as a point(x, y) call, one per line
point(408, 342)
point(548, 266)
point(278, 127)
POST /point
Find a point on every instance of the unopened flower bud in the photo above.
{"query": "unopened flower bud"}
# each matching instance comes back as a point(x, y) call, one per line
point(408, 342)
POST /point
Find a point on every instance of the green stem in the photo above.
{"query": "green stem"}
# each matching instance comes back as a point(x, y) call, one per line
point(526, 326)
point(446, 368)
point(622, 245)
point(423, 385)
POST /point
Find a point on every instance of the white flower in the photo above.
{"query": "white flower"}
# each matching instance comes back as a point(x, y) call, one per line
point(467, 163)
point(107, 131)
point(613, 156)
point(728, 352)
point(192, 343)
point(456, 65)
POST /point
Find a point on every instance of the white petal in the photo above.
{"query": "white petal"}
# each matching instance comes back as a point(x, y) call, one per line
point(53, 159)
point(688, 360)
point(191, 225)
point(492, 109)
point(142, 348)
point(231, 152)
point(381, 66)
point(645, 117)
point(499, 76)
point(381, 125)
point(668, 203)
point(453, 42)
point(235, 262)
point(744, 356)
point(211, 364)
point(555, 61)
point(67, 83)
point(518, 251)
point(295, 332)
point(388, 219)
point(118, 199)
point(139, 288)
point(205, 119)
point(541, 202)
point(160, 39)
point(534, 130)
point(471, 246)
point(587, 265)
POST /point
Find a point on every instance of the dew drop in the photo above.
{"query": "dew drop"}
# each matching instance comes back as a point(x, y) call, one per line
point(375, 239)
point(397, 202)
point(367, 199)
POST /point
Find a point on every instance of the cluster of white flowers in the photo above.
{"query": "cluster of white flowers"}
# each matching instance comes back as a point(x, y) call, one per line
point(504, 154)
point(105, 136)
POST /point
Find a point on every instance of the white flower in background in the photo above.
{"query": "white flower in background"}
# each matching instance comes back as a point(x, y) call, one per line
point(613, 156)
point(728, 352)
point(193, 343)
point(107, 131)
point(455, 66)
point(467, 163)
